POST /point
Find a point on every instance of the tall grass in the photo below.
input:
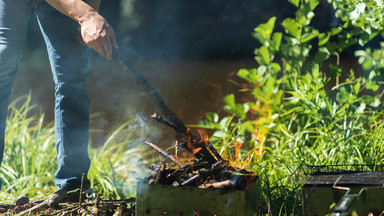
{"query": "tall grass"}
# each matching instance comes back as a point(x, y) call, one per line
point(30, 159)
point(117, 165)
point(30, 155)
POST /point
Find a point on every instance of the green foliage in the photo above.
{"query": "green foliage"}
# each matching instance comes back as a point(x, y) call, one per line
point(297, 114)
point(30, 155)
point(118, 163)
point(30, 158)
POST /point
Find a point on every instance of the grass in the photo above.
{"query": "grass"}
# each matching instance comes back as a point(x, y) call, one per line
point(30, 157)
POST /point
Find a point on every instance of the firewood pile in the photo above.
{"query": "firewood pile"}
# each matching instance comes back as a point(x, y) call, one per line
point(208, 169)
point(76, 206)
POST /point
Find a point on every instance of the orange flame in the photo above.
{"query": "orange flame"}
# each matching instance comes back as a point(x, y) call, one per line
point(259, 139)
point(237, 146)
point(191, 145)
point(203, 136)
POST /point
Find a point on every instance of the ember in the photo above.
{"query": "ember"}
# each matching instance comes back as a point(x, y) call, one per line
point(208, 171)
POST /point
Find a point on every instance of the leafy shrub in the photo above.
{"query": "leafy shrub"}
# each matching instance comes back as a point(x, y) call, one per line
point(289, 112)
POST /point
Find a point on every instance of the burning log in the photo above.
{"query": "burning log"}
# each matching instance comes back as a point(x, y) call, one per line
point(208, 171)
point(194, 144)
point(209, 167)
point(202, 174)
point(218, 185)
point(191, 180)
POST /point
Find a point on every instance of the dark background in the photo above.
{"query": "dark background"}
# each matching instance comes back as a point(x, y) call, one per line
point(187, 49)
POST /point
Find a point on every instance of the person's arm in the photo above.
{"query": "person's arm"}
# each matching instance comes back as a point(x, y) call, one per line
point(95, 30)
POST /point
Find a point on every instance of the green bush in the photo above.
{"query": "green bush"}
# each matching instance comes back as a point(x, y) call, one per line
point(289, 112)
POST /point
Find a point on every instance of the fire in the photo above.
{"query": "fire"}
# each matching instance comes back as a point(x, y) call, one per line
point(191, 145)
point(259, 139)
point(238, 160)
point(237, 146)
point(203, 136)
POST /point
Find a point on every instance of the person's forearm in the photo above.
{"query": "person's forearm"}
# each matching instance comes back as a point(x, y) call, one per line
point(95, 30)
point(76, 9)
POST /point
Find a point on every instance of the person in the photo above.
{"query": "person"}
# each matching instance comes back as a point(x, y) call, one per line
point(61, 23)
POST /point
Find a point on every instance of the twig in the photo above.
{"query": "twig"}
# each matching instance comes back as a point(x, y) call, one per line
point(42, 206)
point(164, 153)
point(159, 172)
point(97, 200)
point(215, 152)
point(81, 188)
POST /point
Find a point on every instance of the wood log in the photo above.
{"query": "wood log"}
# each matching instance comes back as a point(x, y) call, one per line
point(218, 185)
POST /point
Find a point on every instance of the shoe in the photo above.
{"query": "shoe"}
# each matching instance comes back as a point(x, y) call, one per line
point(56, 198)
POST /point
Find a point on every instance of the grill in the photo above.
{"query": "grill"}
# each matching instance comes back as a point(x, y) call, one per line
point(344, 190)
point(158, 199)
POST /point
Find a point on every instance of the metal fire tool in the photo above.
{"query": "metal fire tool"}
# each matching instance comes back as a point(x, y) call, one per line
point(152, 92)
point(172, 119)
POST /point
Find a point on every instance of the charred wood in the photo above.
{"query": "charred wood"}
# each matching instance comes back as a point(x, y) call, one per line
point(164, 153)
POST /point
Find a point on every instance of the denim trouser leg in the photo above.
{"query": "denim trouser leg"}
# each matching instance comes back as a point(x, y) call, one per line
point(70, 63)
point(14, 16)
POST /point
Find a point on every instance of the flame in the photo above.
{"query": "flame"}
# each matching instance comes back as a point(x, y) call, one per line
point(237, 146)
point(203, 136)
point(259, 139)
point(191, 145)
point(238, 160)
point(164, 212)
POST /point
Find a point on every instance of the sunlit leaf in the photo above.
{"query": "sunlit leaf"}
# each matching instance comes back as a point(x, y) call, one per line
point(276, 41)
point(262, 55)
point(264, 31)
point(292, 27)
point(356, 88)
point(313, 4)
point(379, 3)
point(295, 2)
point(357, 11)
point(309, 36)
point(322, 55)
point(275, 67)
point(361, 108)
point(324, 38)
point(373, 86)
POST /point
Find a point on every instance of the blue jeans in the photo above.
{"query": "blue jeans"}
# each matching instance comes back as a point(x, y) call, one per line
point(70, 65)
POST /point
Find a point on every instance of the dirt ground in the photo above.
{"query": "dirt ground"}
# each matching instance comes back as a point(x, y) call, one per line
point(87, 207)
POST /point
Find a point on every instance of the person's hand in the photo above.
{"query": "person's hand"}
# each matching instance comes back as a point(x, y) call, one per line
point(98, 35)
